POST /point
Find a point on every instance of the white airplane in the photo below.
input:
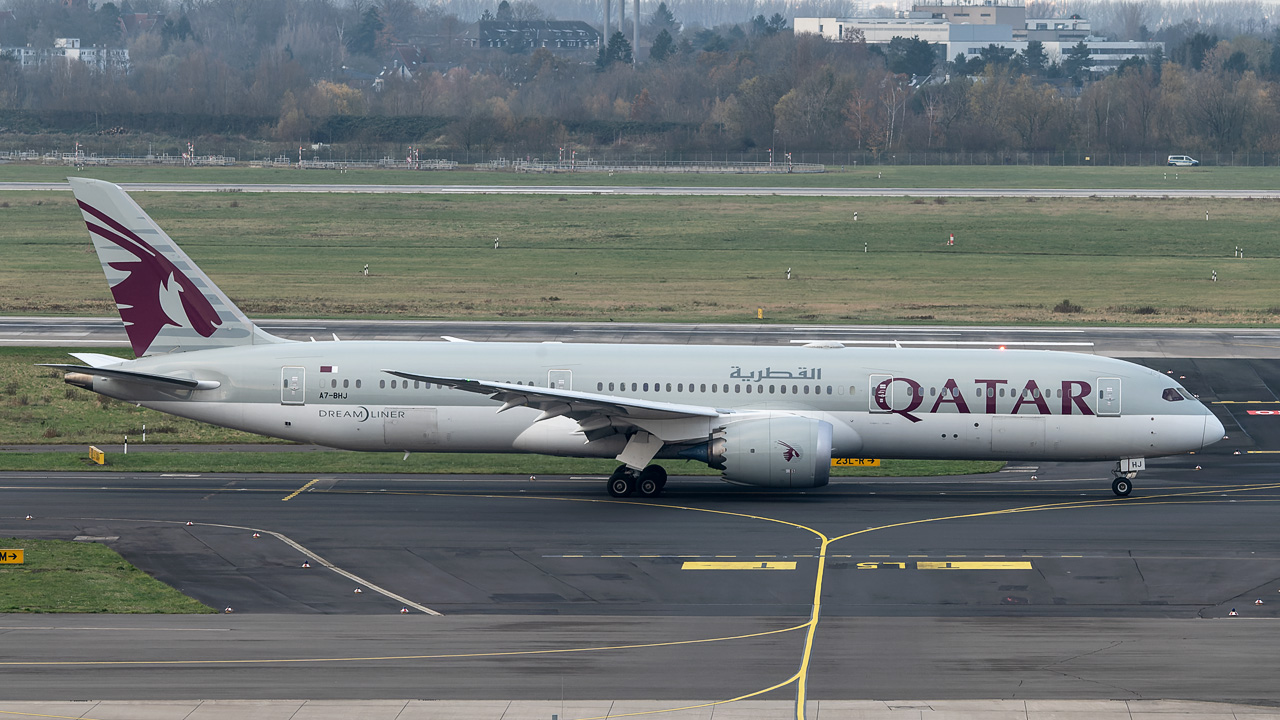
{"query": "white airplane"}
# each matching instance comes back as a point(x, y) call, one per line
point(766, 416)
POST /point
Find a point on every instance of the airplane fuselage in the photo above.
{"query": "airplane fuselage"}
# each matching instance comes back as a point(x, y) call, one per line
point(901, 403)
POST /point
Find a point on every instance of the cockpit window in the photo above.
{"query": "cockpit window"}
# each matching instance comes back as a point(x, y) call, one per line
point(1172, 395)
point(1186, 394)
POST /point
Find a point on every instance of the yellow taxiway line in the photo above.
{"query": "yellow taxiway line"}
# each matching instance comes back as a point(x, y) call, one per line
point(299, 491)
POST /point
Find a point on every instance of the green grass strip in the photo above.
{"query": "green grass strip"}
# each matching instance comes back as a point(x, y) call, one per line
point(60, 576)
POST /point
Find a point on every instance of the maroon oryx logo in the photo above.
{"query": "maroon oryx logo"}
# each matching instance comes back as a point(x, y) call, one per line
point(789, 453)
point(155, 293)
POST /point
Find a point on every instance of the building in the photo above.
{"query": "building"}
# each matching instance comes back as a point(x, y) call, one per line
point(97, 56)
point(1074, 29)
point(969, 27)
point(982, 12)
point(935, 31)
point(531, 34)
point(70, 50)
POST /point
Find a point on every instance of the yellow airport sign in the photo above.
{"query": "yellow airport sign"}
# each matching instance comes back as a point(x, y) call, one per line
point(757, 565)
point(854, 462)
point(11, 556)
point(97, 455)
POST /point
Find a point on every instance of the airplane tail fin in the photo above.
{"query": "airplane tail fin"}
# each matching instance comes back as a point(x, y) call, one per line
point(167, 304)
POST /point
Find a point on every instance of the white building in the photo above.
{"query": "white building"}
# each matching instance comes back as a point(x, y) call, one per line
point(1055, 29)
point(969, 28)
point(1106, 56)
point(70, 50)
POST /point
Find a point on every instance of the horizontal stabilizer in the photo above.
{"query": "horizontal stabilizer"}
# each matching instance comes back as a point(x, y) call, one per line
point(164, 381)
point(97, 359)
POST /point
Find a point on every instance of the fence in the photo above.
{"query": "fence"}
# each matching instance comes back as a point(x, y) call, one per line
point(650, 166)
point(83, 160)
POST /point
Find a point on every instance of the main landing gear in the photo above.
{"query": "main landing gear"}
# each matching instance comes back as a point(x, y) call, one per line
point(649, 482)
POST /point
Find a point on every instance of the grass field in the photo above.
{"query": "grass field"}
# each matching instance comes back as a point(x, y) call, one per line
point(79, 577)
point(691, 259)
point(879, 176)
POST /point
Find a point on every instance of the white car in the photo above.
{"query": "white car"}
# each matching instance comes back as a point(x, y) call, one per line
point(1183, 160)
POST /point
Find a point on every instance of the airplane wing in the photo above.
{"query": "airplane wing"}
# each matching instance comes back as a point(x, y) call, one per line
point(164, 381)
point(577, 405)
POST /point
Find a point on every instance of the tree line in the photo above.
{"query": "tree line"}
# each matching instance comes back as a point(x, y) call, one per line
point(313, 70)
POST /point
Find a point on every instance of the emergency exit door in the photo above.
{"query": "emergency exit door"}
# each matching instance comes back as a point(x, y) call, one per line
point(880, 393)
point(560, 379)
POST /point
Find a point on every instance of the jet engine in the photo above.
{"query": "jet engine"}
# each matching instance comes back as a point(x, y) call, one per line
point(782, 452)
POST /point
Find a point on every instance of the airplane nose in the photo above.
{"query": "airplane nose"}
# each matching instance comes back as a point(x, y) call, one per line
point(1213, 430)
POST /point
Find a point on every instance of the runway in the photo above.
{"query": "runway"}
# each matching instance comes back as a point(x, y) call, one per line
point(686, 191)
point(1126, 342)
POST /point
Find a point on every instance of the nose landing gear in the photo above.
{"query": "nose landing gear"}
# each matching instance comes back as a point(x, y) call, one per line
point(1122, 486)
point(1125, 471)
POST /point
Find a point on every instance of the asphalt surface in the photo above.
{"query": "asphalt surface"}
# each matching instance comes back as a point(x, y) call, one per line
point(1105, 598)
point(1129, 342)
point(680, 191)
point(1073, 594)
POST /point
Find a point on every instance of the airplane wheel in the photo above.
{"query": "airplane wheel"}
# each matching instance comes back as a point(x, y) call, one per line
point(622, 483)
point(651, 481)
point(1121, 487)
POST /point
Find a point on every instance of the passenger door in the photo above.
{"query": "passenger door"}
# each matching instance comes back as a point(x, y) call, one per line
point(293, 385)
point(1108, 396)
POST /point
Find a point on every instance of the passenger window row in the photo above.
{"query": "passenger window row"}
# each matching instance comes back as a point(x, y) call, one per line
point(736, 388)
point(400, 384)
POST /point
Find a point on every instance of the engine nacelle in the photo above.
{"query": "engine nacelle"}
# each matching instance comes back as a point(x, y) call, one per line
point(782, 452)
